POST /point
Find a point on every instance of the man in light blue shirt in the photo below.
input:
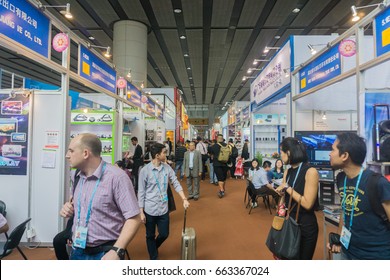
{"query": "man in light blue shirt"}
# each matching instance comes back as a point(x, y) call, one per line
point(153, 198)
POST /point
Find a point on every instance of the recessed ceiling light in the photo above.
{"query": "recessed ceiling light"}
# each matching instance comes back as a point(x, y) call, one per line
point(91, 38)
point(277, 37)
point(188, 68)
point(296, 10)
point(177, 11)
point(186, 55)
point(190, 78)
point(182, 37)
point(232, 27)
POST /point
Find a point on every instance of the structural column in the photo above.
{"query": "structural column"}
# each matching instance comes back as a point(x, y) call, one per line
point(130, 50)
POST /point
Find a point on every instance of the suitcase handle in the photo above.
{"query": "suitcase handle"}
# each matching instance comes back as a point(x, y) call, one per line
point(381, 105)
point(185, 219)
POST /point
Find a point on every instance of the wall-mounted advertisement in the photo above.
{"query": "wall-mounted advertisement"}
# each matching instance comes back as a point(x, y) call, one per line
point(14, 117)
point(320, 70)
point(272, 78)
point(133, 94)
point(25, 24)
point(266, 119)
point(159, 113)
point(101, 123)
point(238, 118)
point(224, 120)
point(96, 70)
point(382, 32)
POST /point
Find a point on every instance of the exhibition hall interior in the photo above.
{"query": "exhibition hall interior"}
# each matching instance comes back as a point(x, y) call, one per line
point(171, 87)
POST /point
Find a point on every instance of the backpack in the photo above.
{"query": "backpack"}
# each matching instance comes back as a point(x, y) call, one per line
point(373, 196)
point(224, 153)
point(234, 151)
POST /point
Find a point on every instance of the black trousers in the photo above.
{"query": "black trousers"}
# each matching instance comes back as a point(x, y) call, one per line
point(309, 234)
point(61, 239)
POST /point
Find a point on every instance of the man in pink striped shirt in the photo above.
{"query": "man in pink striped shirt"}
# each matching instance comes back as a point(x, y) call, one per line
point(105, 208)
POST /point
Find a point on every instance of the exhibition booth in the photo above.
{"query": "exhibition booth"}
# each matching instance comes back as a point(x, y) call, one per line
point(271, 94)
point(78, 91)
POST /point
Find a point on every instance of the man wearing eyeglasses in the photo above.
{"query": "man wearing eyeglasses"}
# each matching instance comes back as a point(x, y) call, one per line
point(153, 198)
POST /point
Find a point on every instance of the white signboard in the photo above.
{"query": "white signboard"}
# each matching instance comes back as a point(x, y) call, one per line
point(273, 77)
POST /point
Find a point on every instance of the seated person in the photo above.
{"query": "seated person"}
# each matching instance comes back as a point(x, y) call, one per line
point(267, 168)
point(278, 170)
point(3, 224)
point(260, 182)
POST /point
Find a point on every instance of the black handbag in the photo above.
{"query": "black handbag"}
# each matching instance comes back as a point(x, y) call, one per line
point(285, 243)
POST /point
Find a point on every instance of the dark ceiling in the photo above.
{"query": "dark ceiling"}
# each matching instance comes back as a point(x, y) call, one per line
point(222, 37)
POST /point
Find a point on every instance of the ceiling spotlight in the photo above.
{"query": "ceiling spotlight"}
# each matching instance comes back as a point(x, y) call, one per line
point(65, 12)
point(182, 37)
point(188, 68)
point(190, 78)
point(266, 50)
point(91, 38)
point(324, 115)
point(256, 61)
point(312, 49)
point(186, 55)
point(355, 16)
point(108, 52)
point(296, 10)
point(286, 73)
point(108, 49)
point(249, 71)
point(142, 85)
point(277, 37)
point(129, 74)
point(177, 11)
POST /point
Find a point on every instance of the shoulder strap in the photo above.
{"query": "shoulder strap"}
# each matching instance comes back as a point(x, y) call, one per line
point(373, 196)
point(76, 179)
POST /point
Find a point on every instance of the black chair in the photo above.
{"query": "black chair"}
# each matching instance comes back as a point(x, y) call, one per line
point(250, 189)
point(13, 240)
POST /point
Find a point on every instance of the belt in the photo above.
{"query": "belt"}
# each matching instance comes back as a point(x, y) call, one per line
point(105, 247)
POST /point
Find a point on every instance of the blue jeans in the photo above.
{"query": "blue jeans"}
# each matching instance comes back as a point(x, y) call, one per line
point(153, 243)
point(179, 165)
point(213, 178)
point(78, 254)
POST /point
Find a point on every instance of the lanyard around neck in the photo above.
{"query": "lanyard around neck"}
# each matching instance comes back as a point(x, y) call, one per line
point(92, 196)
point(165, 185)
point(354, 197)
point(296, 176)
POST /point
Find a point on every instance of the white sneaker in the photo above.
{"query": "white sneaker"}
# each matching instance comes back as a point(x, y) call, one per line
point(254, 204)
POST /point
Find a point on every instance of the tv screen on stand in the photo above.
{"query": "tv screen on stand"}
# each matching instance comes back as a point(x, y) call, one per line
point(318, 145)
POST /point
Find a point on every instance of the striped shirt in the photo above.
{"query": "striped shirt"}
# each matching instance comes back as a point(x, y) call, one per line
point(149, 190)
point(113, 204)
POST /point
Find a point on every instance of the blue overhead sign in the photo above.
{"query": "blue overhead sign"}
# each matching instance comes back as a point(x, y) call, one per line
point(382, 32)
point(25, 24)
point(96, 70)
point(320, 70)
point(133, 94)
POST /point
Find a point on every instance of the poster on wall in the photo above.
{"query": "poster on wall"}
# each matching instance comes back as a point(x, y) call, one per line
point(14, 116)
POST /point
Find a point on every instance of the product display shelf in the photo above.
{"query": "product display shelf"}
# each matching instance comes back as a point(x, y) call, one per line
point(267, 138)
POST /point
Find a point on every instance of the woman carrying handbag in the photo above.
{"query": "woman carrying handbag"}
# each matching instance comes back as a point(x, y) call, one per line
point(305, 181)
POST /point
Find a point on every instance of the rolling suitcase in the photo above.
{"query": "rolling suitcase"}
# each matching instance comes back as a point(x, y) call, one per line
point(188, 241)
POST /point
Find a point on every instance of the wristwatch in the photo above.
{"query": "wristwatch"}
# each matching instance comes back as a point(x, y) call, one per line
point(120, 252)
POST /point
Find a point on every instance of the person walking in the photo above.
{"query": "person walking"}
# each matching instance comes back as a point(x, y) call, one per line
point(202, 148)
point(153, 198)
point(179, 158)
point(193, 170)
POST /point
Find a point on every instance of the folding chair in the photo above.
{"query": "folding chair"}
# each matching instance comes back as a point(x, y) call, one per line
point(13, 240)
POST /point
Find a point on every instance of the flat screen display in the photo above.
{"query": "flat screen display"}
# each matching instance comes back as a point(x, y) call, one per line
point(318, 145)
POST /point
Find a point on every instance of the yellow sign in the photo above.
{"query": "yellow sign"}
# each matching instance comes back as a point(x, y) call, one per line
point(386, 37)
point(303, 83)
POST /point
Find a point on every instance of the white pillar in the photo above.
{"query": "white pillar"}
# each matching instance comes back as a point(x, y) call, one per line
point(130, 49)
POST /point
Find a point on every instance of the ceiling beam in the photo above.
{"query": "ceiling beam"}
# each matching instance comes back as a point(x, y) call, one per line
point(207, 17)
point(234, 18)
point(148, 9)
point(269, 5)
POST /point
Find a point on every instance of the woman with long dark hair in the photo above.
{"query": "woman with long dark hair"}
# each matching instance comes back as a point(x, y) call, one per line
point(278, 169)
point(301, 181)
